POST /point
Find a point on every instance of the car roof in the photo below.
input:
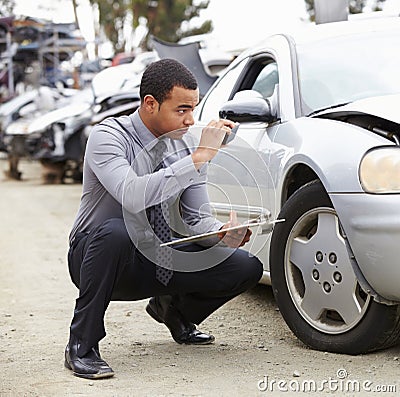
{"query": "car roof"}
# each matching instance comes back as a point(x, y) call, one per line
point(345, 28)
point(311, 32)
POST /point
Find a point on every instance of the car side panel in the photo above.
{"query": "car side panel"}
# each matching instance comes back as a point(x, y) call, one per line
point(332, 149)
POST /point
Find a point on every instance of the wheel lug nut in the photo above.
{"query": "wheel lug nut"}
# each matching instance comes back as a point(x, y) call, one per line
point(315, 274)
point(319, 256)
point(337, 277)
point(332, 257)
point(327, 287)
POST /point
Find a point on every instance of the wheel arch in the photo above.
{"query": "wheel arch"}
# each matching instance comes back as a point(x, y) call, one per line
point(298, 176)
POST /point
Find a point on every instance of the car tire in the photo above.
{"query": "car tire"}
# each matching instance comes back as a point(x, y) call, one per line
point(314, 283)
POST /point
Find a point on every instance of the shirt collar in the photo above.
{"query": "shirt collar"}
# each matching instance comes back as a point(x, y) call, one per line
point(147, 139)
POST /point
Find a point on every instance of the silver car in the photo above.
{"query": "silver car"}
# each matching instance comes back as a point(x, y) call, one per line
point(318, 152)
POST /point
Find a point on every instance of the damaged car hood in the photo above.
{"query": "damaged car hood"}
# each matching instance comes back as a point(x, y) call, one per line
point(379, 115)
point(384, 107)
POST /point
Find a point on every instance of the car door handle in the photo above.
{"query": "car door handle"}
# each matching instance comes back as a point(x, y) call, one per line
point(245, 212)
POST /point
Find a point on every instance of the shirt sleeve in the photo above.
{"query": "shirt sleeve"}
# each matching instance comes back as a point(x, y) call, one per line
point(196, 210)
point(106, 155)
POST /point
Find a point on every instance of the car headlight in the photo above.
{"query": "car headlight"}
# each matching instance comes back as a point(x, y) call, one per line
point(380, 170)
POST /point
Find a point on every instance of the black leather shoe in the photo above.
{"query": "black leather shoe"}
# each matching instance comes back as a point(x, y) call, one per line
point(182, 331)
point(90, 366)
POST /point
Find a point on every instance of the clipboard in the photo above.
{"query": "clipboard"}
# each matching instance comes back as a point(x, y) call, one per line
point(252, 223)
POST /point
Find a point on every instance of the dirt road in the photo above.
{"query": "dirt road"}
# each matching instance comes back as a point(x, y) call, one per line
point(255, 354)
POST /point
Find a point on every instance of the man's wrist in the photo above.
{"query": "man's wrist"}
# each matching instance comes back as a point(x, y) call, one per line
point(200, 157)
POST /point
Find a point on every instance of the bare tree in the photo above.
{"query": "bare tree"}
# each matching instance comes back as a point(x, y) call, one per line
point(7, 7)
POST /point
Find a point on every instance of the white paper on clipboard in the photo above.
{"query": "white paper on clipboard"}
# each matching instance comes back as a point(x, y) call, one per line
point(198, 237)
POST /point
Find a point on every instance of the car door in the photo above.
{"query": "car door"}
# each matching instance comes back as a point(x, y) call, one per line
point(239, 176)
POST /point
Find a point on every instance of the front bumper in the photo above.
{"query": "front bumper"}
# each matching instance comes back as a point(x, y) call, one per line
point(372, 225)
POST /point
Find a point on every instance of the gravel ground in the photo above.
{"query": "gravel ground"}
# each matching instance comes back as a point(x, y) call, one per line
point(254, 354)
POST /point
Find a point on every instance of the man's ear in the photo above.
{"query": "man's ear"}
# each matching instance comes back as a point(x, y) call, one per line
point(150, 103)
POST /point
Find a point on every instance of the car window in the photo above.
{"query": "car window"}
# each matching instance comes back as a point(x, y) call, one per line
point(267, 80)
point(259, 74)
point(340, 70)
point(219, 94)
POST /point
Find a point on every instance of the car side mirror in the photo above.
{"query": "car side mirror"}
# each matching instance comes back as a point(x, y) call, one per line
point(247, 106)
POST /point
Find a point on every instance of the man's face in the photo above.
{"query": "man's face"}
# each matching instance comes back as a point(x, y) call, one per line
point(175, 113)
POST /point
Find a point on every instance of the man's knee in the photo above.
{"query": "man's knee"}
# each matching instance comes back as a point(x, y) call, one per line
point(249, 268)
point(256, 267)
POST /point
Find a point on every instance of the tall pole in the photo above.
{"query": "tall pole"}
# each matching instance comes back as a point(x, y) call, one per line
point(10, 65)
point(75, 12)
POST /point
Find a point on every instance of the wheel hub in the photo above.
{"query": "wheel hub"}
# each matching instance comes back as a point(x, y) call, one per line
point(320, 276)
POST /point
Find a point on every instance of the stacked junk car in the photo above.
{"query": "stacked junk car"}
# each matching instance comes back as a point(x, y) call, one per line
point(51, 122)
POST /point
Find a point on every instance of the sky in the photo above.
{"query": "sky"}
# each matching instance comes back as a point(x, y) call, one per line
point(240, 23)
point(236, 23)
point(57, 10)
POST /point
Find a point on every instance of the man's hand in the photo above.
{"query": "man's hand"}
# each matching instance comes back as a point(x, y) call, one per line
point(234, 238)
point(211, 139)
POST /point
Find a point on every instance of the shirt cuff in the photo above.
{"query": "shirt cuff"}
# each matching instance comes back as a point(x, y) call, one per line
point(185, 172)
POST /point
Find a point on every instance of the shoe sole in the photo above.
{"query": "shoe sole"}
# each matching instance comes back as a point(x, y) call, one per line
point(89, 376)
point(196, 344)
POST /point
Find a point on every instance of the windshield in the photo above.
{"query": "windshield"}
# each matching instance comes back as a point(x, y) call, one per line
point(344, 69)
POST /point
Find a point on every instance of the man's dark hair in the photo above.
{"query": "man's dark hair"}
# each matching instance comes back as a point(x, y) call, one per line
point(162, 76)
